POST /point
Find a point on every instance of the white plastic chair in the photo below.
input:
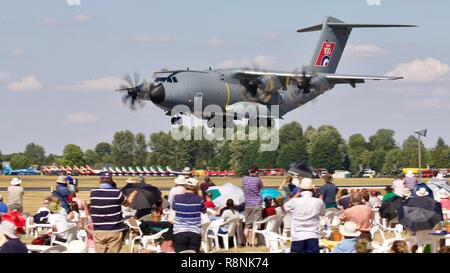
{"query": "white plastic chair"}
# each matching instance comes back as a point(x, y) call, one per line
point(29, 226)
point(273, 223)
point(55, 249)
point(233, 224)
point(151, 239)
point(70, 234)
point(132, 239)
point(276, 242)
point(287, 225)
point(205, 241)
point(212, 231)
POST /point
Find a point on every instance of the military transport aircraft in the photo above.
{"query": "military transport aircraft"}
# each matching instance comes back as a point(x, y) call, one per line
point(230, 89)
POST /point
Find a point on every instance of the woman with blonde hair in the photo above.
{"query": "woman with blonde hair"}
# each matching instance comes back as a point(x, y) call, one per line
point(399, 247)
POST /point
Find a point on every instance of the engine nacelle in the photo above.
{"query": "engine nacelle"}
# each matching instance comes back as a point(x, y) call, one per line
point(268, 84)
point(319, 84)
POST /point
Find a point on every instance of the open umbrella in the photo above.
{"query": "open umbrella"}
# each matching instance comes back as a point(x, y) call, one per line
point(302, 170)
point(420, 213)
point(147, 195)
point(220, 194)
point(270, 192)
point(389, 208)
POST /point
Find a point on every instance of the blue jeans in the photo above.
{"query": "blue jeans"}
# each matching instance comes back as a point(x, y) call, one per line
point(305, 246)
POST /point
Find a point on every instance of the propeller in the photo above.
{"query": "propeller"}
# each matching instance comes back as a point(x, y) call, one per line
point(133, 86)
point(303, 82)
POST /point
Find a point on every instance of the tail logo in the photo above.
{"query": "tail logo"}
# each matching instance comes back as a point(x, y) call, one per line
point(325, 54)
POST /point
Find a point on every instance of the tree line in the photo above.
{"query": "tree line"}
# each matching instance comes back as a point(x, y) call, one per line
point(321, 147)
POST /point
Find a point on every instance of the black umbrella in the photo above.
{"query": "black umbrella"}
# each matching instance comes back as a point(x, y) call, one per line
point(302, 170)
point(389, 208)
point(420, 213)
point(147, 195)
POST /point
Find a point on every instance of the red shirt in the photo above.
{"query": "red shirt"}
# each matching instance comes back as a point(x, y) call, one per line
point(268, 212)
point(209, 204)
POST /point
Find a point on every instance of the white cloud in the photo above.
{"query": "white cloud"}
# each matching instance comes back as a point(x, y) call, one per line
point(215, 41)
point(260, 61)
point(151, 39)
point(28, 83)
point(421, 70)
point(81, 18)
point(5, 76)
point(364, 50)
point(100, 84)
point(48, 21)
point(81, 118)
point(271, 35)
point(18, 51)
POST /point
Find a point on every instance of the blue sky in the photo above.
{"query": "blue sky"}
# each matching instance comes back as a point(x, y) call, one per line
point(59, 64)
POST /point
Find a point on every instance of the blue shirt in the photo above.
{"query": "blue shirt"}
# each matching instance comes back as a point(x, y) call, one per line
point(13, 246)
point(62, 192)
point(3, 208)
point(188, 208)
point(329, 191)
point(346, 246)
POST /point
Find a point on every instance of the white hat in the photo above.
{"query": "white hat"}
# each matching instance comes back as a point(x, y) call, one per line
point(191, 182)
point(61, 179)
point(422, 192)
point(187, 170)
point(440, 176)
point(77, 246)
point(406, 192)
point(306, 184)
point(16, 181)
point(349, 229)
point(296, 181)
point(180, 180)
point(443, 193)
point(409, 174)
point(8, 229)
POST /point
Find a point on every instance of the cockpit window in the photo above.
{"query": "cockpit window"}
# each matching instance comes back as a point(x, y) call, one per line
point(174, 79)
point(166, 79)
point(169, 79)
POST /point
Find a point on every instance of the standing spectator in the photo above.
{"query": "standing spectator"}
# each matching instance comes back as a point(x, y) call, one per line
point(398, 185)
point(252, 186)
point(3, 206)
point(187, 173)
point(206, 184)
point(410, 181)
point(13, 243)
point(351, 236)
point(106, 214)
point(306, 212)
point(389, 194)
point(328, 192)
point(374, 201)
point(188, 208)
point(15, 192)
point(359, 213)
point(179, 188)
point(344, 199)
point(62, 192)
point(287, 186)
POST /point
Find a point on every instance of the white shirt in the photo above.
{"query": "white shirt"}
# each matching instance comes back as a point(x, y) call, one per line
point(306, 212)
point(174, 191)
point(60, 222)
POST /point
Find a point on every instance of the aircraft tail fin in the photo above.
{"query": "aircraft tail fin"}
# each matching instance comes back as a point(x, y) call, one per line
point(332, 42)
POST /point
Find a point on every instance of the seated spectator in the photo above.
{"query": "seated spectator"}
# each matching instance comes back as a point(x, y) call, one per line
point(16, 217)
point(278, 205)
point(374, 201)
point(344, 199)
point(398, 185)
point(165, 203)
point(42, 213)
point(399, 247)
point(206, 184)
point(74, 214)
point(268, 210)
point(228, 213)
point(351, 236)
point(389, 194)
point(3, 206)
point(208, 201)
point(58, 221)
point(12, 244)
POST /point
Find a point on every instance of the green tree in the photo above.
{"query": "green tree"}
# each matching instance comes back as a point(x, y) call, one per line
point(440, 155)
point(224, 155)
point(122, 148)
point(73, 155)
point(205, 153)
point(295, 151)
point(140, 150)
point(161, 146)
point(357, 146)
point(290, 132)
point(309, 132)
point(328, 149)
point(103, 149)
point(243, 155)
point(90, 157)
point(393, 161)
point(19, 161)
point(383, 139)
point(35, 153)
point(376, 159)
point(411, 152)
point(267, 159)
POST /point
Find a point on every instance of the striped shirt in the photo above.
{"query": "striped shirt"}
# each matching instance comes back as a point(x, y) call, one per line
point(252, 187)
point(188, 208)
point(106, 209)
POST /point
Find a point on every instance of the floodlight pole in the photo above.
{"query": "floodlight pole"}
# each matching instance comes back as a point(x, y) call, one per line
point(420, 173)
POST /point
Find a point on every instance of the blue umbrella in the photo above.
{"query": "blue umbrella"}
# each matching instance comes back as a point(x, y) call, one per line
point(270, 192)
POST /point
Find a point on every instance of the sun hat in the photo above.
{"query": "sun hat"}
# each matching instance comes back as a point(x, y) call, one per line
point(16, 218)
point(406, 193)
point(53, 207)
point(61, 180)
point(422, 192)
point(349, 229)
point(8, 229)
point(296, 181)
point(443, 193)
point(16, 181)
point(180, 180)
point(409, 174)
point(187, 170)
point(77, 246)
point(306, 184)
point(191, 182)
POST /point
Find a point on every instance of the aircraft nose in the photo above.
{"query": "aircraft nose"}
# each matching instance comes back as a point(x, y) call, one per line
point(157, 94)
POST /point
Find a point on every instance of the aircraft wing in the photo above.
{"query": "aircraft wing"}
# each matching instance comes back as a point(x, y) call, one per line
point(286, 78)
